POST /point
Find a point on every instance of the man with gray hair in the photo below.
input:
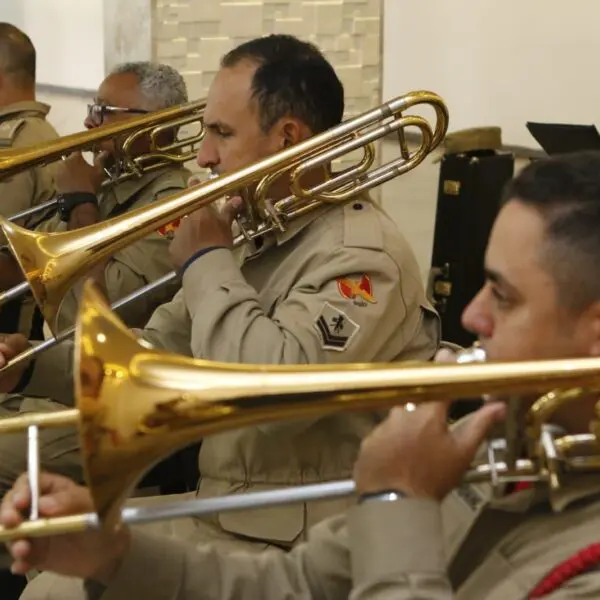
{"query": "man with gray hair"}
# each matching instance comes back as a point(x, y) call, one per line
point(87, 197)
point(129, 90)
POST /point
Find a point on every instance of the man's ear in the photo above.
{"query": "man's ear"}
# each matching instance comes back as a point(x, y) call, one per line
point(591, 319)
point(292, 131)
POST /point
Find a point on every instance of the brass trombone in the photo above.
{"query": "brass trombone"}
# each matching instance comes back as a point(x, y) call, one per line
point(51, 263)
point(125, 134)
point(136, 405)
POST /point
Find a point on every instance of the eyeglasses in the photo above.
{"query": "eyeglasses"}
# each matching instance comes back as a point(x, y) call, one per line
point(96, 112)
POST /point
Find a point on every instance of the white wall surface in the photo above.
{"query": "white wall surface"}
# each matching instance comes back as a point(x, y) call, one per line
point(497, 62)
point(68, 35)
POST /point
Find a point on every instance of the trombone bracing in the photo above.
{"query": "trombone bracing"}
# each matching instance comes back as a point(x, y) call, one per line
point(136, 405)
point(52, 262)
point(125, 134)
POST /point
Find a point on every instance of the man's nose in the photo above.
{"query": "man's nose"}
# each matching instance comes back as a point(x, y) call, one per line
point(476, 318)
point(88, 123)
point(207, 157)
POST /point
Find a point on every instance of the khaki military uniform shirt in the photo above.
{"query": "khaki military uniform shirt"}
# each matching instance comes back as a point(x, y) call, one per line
point(376, 551)
point(139, 263)
point(383, 551)
point(341, 286)
point(24, 124)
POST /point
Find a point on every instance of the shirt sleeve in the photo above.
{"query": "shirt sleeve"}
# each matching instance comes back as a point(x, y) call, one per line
point(17, 193)
point(397, 551)
point(158, 568)
point(52, 375)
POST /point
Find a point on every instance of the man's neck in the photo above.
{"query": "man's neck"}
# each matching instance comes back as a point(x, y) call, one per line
point(9, 96)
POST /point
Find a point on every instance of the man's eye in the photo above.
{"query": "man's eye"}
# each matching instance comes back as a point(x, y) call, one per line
point(499, 296)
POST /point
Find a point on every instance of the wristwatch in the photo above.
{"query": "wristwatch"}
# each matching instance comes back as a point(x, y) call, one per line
point(382, 496)
point(67, 202)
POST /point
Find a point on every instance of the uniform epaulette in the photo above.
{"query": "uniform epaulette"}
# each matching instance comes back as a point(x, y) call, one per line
point(9, 130)
point(362, 228)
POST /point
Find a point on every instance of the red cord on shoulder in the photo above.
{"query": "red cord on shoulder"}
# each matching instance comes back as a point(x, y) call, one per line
point(575, 565)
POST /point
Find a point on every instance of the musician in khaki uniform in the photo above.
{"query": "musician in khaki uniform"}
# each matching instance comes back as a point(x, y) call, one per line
point(22, 123)
point(130, 89)
point(88, 195)
point(404, 540)
point(340, 285)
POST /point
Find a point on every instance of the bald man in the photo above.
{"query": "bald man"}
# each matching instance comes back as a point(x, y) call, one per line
point(22, 123)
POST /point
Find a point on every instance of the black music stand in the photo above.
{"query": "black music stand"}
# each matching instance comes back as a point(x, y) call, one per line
point(557, 138)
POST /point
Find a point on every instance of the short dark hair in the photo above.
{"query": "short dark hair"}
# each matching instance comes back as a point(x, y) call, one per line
point(293, 78)
point(17, 55)
point(565, 190)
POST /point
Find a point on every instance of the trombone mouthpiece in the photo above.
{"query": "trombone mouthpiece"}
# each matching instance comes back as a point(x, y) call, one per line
point(473, 354)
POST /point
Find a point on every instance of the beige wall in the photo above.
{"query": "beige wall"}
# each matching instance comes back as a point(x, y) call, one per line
point(192, 35)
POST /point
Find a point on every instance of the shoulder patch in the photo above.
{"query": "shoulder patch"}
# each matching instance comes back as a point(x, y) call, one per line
point(357, 289)
point(362, 225)
point(9, 130)
point(169, 229)
point(335, 328)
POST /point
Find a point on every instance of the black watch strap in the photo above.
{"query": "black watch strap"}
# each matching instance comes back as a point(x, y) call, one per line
point(68, 201)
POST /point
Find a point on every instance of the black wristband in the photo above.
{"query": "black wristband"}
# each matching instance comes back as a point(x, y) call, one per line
point(25, 378)
point(195, 256)
point(67, 202)
point(382, 495)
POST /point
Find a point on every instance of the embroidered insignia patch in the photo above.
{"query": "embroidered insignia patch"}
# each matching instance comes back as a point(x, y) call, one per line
point(336, 329)
point(169, 229)
point(360, 290)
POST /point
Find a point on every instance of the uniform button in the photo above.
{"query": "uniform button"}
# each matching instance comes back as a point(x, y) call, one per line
point(357, 206)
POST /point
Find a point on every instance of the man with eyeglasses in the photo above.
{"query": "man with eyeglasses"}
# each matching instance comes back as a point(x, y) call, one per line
point(22, 123)
point(130, 89)
point(88, 194)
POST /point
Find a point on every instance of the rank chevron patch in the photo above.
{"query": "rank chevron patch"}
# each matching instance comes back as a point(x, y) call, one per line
point(336, 329)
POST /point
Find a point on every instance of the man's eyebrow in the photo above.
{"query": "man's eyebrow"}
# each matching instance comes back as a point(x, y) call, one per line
point(217, 125)
point(496, 277)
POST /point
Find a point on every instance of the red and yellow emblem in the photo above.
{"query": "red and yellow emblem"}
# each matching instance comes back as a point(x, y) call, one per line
point(360, 290)
point(169, 229)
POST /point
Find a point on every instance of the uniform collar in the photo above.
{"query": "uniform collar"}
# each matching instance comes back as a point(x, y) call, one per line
point(573, 489)
point(25, 106)
point(293, 229)
point(124, 191)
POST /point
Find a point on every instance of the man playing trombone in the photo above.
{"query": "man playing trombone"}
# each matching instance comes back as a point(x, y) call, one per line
point(411, 537)
point(338, 285)
point(88, 194)
point(22, 123)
